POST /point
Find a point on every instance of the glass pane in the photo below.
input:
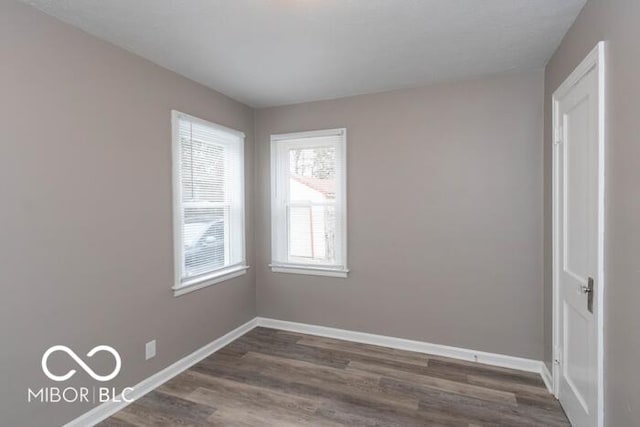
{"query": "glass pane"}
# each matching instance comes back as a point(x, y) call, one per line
point(206, 213)
point(312, 174)
point(312, 234)
point(204, 233)
point(202, 171)
point(311, 210)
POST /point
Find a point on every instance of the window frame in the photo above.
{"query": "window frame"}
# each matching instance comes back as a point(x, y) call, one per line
point(181, 287)
point(277, 264)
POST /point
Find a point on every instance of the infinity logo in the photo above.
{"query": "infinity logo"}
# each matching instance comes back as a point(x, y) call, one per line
point(87, 369)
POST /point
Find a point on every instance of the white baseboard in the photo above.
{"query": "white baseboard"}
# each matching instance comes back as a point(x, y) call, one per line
point(547, 377)
point(107, 409)
point(494, 359)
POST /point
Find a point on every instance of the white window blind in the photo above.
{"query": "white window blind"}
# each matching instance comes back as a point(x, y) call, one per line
point(208, 201)
point(309, 203)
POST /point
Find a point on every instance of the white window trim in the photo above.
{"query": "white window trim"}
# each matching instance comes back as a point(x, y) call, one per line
point(314, 270)
point(229, 272)
point(309, 270)
point(217, 277)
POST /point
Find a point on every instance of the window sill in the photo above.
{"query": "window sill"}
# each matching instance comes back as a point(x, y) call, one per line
point(203, 282)
point(312, 271)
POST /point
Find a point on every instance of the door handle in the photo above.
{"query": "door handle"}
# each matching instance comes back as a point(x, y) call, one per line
point(588, 289)
point(585, 289)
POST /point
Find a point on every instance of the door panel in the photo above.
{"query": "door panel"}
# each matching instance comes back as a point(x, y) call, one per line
point(576, 174)
point(576, 354)
point(577, 221)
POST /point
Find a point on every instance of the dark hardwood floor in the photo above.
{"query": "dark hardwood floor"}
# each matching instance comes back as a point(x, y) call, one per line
point(276, 378)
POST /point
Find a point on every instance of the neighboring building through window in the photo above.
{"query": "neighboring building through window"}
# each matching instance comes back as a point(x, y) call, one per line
point(309, 203)
point(208, 198)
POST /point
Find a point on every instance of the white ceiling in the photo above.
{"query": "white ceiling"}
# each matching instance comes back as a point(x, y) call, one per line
point(275, 52)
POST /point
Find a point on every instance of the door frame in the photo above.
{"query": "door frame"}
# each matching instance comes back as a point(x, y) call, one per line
point(594, 60)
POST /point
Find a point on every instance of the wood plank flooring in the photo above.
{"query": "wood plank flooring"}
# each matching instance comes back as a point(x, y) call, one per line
point(276, 378)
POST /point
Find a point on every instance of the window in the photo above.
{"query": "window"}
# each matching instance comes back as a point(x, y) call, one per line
point(308, 190)
point(208, 203)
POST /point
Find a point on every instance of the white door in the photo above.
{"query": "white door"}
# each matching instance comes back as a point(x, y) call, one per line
point(578, 242)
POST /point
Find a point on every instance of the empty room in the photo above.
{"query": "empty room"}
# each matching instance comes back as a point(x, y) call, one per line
point(320, 213)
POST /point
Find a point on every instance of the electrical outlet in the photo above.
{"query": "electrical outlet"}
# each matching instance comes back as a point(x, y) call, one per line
point(150, 350)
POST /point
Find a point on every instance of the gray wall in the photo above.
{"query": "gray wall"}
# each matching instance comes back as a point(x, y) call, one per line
point(618, 23)
point(86, 253)
point(445, 216)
